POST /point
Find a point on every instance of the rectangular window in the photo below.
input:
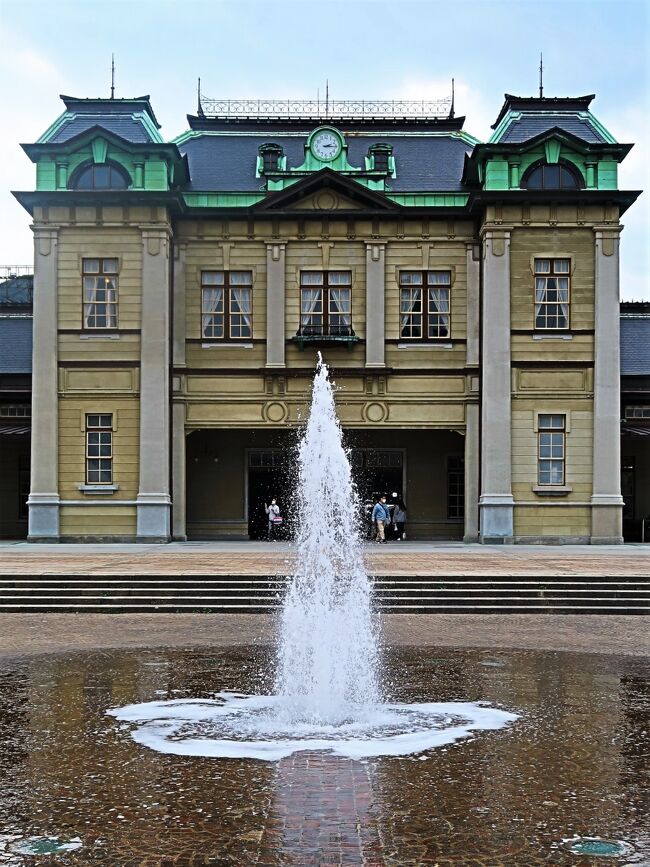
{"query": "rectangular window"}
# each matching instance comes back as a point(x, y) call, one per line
point(551, 447)
point(455, 486)
point(552, 278)
point(99, 449)
point(424, 305)
point(227, 305)
point(326, 303)
point(16, 410)
point(637, 412)
point(99, 293)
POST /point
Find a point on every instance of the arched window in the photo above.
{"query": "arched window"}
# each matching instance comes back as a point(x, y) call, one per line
point(106, 176)
point(552, 177)
point(271, 155)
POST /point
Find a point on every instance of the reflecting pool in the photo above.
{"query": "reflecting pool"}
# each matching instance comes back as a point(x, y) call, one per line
point(565, 784)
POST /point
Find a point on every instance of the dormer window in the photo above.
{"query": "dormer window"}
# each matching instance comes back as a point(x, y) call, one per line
point(271, 155)
point(380, 155)
point(104, 176)
point(552, 177)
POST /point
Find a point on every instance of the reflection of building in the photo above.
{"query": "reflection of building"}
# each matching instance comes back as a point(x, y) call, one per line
point(635, 416)
point(465, 295)
point(15, 402)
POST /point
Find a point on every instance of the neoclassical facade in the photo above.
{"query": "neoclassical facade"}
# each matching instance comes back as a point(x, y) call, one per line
point(464, 294)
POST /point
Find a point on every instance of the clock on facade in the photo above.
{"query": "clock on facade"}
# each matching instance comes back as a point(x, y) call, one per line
point(326, 145)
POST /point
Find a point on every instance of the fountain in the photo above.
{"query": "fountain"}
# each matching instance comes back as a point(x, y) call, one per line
point(328, 694)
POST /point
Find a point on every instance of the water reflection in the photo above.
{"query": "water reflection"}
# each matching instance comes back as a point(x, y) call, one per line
point(575, 764)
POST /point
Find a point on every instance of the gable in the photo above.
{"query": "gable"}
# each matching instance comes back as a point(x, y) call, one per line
point(326, 191)
point(327, 200)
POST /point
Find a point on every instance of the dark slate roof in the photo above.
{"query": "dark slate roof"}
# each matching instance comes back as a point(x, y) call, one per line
point(127, 127)
point(15, 344)
point(635, 345)
point(530, 125)
point(17, 291)
point(228, 162)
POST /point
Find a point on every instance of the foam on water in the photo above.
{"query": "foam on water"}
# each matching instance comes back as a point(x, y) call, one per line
point(328, 694)
point(232, 725)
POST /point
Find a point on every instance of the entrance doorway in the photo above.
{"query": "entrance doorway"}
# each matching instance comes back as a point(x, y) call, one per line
point(269, 477)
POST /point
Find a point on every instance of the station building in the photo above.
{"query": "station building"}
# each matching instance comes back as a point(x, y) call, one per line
point(464, 294)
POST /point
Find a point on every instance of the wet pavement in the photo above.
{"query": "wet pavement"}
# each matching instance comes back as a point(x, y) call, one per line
point(575, 763)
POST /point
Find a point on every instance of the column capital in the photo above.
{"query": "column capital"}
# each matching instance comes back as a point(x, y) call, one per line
point(41, 231)
point(607, 231)
point(156, 230)
point(490, 231)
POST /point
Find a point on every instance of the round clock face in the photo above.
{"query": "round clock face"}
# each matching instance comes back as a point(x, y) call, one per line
point(326, 145)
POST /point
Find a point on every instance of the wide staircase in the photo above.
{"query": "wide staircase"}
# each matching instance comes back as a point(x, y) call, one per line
point(114, 594)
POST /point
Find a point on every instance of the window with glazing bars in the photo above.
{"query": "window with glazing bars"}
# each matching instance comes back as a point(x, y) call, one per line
point(551, 449)
point(552, 277)
point(99, 449)
point(424, 304)
point(326, 303)
point(227, 305)
point(637, 412)
point(99, 293)
point(455, 486)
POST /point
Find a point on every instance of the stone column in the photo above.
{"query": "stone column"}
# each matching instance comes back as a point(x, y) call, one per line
point(496, 502)
point(375, 304)
point(43, 499)
point(471, 472)
point(606, 500)
point(179, 532)
point(275, 304)
point(153, 522)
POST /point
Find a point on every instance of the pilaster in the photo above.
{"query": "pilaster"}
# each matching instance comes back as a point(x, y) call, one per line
point(473, 303)
point(472, 452)
point(275, 304)
point(43, 499)
point(375, 303)
point(153, 502)
point(496, 501)
point(178, 305)
point(179, 531)
point(606, 500)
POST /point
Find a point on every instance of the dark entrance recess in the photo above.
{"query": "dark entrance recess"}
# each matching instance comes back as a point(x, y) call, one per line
point(270, 475)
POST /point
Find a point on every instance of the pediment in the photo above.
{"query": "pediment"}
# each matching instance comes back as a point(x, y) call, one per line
point(326, 190)
point(327, 199)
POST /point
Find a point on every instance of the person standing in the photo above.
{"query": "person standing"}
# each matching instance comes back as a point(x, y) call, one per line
point(273, 513)
point(381, 517)
point(399, 519)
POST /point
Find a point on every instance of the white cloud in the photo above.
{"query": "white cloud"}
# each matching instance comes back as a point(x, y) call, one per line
point(470, 102)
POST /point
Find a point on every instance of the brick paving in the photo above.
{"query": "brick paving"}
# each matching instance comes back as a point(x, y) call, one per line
point(34, 634)
point(251, 559)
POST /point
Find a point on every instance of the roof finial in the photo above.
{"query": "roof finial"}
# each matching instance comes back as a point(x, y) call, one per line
point(541, 75)
point(451, 112)
point(112, 76)
point(199, 110)
point(327, 97)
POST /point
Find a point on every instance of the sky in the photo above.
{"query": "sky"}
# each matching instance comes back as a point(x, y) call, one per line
point(289, 48)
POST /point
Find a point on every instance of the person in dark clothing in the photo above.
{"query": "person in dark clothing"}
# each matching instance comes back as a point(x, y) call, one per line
point(399, 519)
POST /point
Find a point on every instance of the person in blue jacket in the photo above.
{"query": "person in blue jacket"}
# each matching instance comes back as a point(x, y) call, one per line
point(381, 517)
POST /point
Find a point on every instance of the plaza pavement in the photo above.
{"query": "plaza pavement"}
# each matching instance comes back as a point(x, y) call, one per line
point(35, 634)
point(263, 558)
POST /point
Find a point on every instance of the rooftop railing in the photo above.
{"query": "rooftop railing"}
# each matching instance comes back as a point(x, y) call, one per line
point(327, 109)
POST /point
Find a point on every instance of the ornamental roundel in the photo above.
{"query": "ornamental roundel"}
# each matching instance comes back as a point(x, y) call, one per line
point(375, 412)
point(275, 412)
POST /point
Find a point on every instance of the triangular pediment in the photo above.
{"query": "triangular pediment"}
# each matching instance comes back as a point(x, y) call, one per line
point(326, 190)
